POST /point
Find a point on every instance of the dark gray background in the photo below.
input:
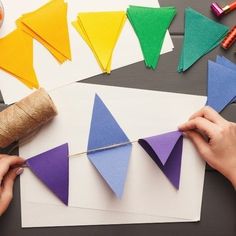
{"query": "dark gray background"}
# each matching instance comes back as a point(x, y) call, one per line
point(219, 198)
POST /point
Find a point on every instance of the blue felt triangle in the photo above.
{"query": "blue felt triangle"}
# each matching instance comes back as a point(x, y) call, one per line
point(104, 130)
point(221, 86)
point(112, 164)
point(226, 62)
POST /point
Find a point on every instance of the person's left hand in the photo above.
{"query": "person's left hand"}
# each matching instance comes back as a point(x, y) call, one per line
point(8, 173)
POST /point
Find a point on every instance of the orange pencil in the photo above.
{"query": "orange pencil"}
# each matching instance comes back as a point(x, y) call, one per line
point(229, 39)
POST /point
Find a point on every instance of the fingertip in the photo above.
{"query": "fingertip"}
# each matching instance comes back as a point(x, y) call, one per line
point(182, 127)
point(15, 160)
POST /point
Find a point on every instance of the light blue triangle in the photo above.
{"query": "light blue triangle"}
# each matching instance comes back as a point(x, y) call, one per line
point(104, 129)
point(221, 86)
point(112, 164)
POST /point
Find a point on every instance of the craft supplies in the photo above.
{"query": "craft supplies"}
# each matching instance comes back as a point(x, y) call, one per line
point(229, 39)
point(220, 11)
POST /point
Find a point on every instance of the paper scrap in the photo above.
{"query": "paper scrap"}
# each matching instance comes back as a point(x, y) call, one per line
point(52, 168)
point(17, 57)
point(49, 26)
point(112, 162)
point(101, 30)
point(221, 86)
point(150, 25)
point(166, 151)
point(201, 36)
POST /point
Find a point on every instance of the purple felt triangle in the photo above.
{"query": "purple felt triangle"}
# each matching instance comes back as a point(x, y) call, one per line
point(166, 151)
point(52, 168)
point(163, 144)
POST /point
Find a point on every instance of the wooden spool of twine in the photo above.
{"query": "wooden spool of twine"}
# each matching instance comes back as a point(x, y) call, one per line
point(24, 117)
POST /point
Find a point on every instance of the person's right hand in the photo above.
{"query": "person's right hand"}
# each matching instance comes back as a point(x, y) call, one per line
point(8, 173)
point(219, 151)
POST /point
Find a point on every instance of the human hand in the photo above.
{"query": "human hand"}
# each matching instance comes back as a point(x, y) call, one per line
point(8, 173)
point(219, 151)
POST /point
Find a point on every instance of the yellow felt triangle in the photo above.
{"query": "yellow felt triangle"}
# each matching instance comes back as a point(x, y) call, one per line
point(49, 26)
point(17, 57)
point(101, 30)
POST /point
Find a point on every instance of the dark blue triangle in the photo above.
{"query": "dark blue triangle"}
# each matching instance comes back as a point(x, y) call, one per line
point(104, 129)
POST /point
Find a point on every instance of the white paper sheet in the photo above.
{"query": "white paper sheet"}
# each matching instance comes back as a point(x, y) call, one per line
point(43, 215)
point(148, 193)
point(83, 65)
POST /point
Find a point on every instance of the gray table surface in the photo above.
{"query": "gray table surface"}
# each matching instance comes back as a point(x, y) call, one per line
point(218, 216)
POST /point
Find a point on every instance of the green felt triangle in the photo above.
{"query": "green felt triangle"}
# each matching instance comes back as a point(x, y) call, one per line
point(201, 36)
point(150, 26)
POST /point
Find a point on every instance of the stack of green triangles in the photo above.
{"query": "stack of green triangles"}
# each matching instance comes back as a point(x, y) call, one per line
point(150, 26)
point(201, 36)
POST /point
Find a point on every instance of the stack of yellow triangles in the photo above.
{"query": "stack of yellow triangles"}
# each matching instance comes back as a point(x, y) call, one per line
point(101, 30)
point(48, 25)
point(17, 57)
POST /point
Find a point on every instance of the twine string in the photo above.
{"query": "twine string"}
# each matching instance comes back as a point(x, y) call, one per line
point(24, 118)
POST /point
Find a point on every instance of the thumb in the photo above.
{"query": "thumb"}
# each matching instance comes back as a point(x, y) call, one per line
point(200, 143)
point(7, 188)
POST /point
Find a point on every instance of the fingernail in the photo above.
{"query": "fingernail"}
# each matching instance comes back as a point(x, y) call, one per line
point(19, 171)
